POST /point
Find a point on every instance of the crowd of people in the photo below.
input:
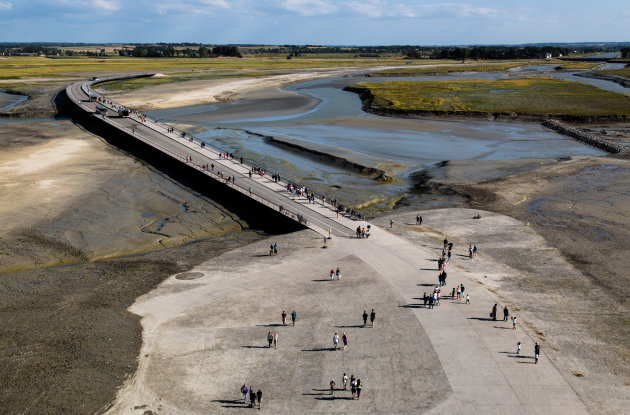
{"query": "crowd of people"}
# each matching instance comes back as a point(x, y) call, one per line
point(355, 386)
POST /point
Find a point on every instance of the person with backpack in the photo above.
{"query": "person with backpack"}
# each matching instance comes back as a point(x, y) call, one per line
point(244, 391)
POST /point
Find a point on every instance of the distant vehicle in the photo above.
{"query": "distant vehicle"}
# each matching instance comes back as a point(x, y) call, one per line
point(123, 112)
point(93, 97)
point(94, 78)
point(101, 109)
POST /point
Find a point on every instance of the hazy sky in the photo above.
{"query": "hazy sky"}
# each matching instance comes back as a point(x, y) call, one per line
point(332, 22)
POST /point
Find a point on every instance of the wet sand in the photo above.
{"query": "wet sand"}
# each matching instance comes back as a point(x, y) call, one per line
point(267, 103)
point(67, 340)
point(68, 196)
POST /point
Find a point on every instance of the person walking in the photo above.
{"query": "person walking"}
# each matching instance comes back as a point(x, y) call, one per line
point(252, 397)
point(344, 338)
point(467, 298)
point(474, 251)
point(493, 314)
point(391, 223)
point(518, 348)
point(275, 340)
point(244, 391)
point(470, 252)
point(536, 352)
point(359, 386)
point(332, 274)
point(284, 318)
point(338, 273)
point(372, 317)
point(513, 322)
point(353, 386)
point(365, 316)
point(345, 381)
point(259, 396)
point(270, 338)
point(332, 387)
point(293, 316)
point(506, 313)
point(336, 341)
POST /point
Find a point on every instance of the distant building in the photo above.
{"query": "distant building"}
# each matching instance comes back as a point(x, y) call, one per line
point(548, 55)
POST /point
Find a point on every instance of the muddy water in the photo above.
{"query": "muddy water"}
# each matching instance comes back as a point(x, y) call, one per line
point(9, 100)
point(335, 124)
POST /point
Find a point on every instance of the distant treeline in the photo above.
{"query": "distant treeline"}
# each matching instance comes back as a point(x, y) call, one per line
point(490, 52)
point(21, 49)
point(625, 52)
point(169, 51)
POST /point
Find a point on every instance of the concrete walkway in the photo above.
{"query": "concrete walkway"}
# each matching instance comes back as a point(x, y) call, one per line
point(205, 334)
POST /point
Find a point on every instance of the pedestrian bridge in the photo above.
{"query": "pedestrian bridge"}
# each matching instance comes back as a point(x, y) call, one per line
point(318, 213)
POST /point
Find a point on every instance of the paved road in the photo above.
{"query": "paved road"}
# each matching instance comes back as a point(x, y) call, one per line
point(320, 216)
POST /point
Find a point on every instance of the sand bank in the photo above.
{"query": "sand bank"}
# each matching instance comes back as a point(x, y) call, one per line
point(69, 197)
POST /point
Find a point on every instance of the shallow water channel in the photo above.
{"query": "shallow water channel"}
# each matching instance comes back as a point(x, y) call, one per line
point(335, 124)
point(9, 100)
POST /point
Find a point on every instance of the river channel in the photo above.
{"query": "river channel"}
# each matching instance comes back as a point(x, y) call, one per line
point(318, 115)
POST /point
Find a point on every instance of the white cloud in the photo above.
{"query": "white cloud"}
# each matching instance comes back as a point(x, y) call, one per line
point(385, 8)
point(309, 7)
point(6, 5)
point(107, 5)
point(217, 3)
point(380, 8)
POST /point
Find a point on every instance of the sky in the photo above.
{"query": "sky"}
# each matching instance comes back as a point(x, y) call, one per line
point(315, 22)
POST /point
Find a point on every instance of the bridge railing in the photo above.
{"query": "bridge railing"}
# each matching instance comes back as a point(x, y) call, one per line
point(283, 182)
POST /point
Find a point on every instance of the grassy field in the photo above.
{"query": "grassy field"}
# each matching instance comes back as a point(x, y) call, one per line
point(443, 70)
point(578, 65)
point(536, 95)
point(28, 67)
point(623, 73)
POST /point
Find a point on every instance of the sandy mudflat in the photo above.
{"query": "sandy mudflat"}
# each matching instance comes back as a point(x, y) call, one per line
point(262, 104)
point(66, 339)
point(67, 197)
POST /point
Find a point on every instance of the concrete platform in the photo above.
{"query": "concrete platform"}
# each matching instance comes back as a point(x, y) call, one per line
point(205, 337)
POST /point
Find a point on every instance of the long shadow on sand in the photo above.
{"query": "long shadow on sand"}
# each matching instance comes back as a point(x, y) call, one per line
point(320, 349)
point(255, 347)
point(230, 403)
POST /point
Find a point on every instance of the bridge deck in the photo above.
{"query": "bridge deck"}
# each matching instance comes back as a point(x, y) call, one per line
point(320, 216)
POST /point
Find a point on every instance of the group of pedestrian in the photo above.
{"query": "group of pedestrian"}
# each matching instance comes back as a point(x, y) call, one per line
point(253, 395)
point(335, 273)
point(284, 317)
point(372, 317)
point(272, 337)
point(442, 278)
point(445, 257)
point(472, 251)
point(363, 232)
point(344, 339)
point(459, 293)
point(355, 386)
point(273, 249)
point(432, 300)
